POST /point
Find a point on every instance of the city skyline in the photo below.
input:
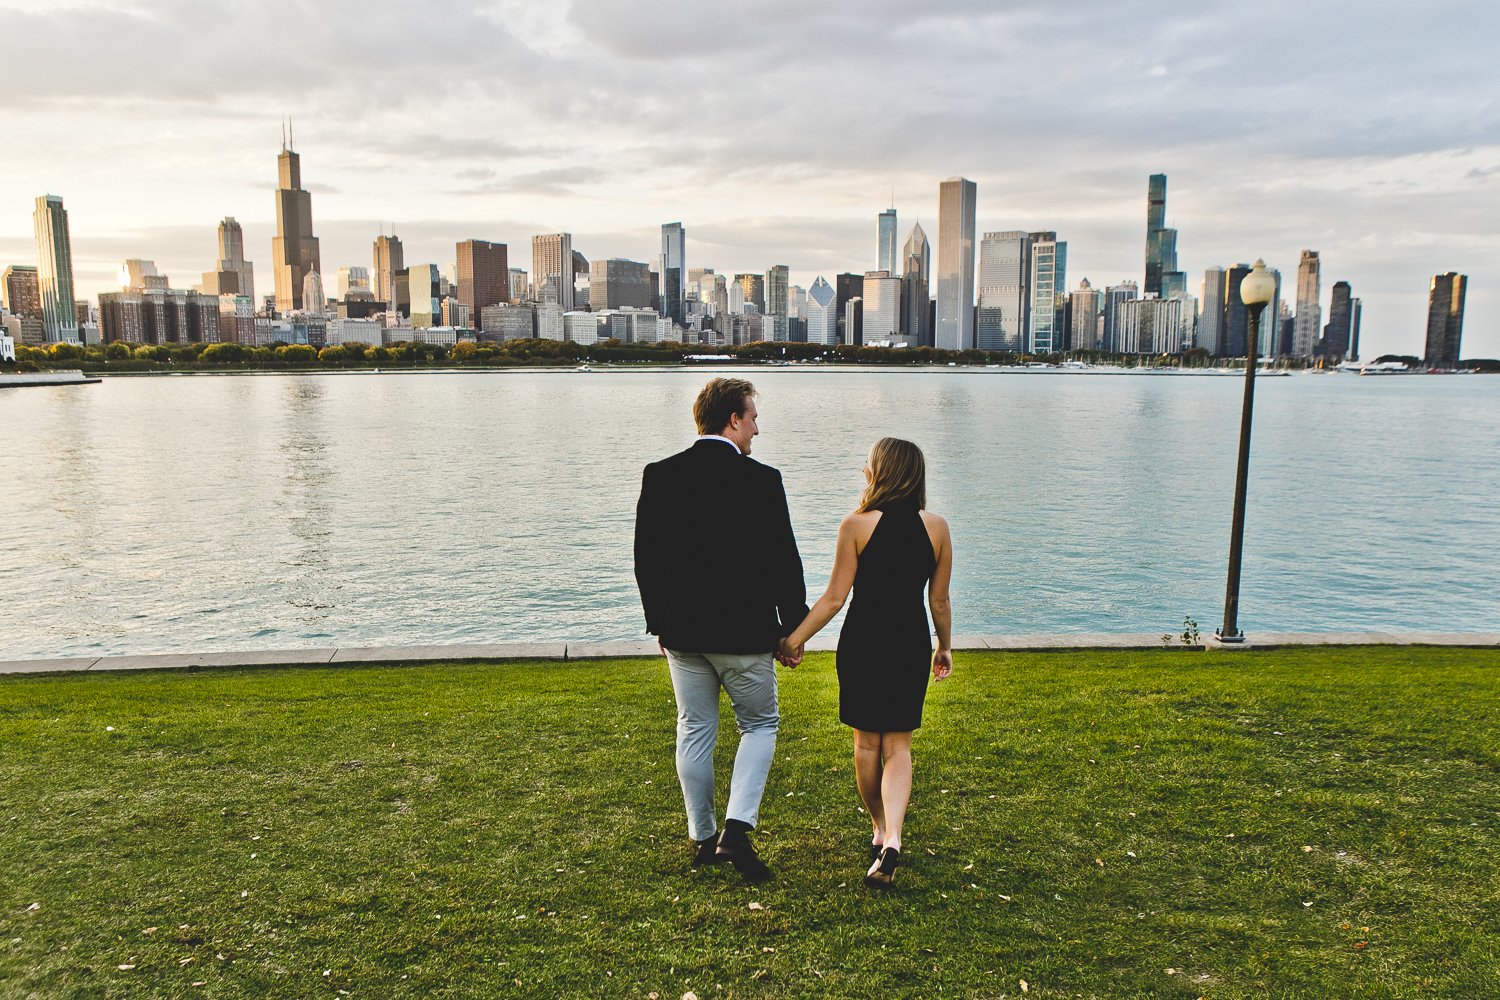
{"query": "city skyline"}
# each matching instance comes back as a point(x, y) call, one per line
point(1393, 186)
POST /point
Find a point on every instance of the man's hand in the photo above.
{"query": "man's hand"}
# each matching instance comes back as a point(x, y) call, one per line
point(787, 655)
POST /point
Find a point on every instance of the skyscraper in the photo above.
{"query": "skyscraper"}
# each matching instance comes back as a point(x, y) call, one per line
point(882, 307)
point(846, 287)
point(1338, 331)
point(1309, 316)
point(916, 297)
point(753, 287)
point(1236, 318)
point(552, 266)
point(1114, 297)
point(389, 261)
point(54, 255)
point(232, 274)
point(1211, 322)
point(1084, 307)
point(1355, 309)
point(483, 276)
point(294, 250)
point(673, 271)
point(1047, 281)
point(1003, 269)
point(22, 295)
point(778, 286)
point(426, 295)
point(822, 322)
point(618, 284)
point(1161, 242)
point(955, 293)
point(885, 242)
point(1445, 320)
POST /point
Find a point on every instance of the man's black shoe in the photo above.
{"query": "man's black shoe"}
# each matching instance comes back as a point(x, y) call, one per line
point(706, 852)
point(735, 847)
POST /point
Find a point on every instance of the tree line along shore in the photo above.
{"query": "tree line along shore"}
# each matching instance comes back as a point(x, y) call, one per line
point(119, 356)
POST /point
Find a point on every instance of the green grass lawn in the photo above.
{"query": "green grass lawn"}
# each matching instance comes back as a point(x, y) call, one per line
point(1295, 823)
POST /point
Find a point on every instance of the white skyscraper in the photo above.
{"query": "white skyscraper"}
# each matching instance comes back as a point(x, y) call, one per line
point(54, 273)
point(882, 308)
point(955, 292)
point(822, 313)
point(1211, 322)
point(1309, 322)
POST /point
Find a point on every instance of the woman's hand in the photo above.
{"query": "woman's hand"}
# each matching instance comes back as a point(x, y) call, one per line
point(942, 664)
point(787, 654)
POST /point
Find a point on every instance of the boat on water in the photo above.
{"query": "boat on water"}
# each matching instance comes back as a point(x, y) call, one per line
point(584, 368)
point(1386, 368)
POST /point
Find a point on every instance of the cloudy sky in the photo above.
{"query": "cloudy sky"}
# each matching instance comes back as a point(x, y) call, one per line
point(775, 131)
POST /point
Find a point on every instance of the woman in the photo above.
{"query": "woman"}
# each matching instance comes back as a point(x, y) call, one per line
point(888, 550)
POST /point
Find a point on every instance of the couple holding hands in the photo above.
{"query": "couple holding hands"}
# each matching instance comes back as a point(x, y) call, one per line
point(722, 586)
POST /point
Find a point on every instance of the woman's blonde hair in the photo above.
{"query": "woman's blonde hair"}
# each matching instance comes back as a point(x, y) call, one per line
point(897, 472)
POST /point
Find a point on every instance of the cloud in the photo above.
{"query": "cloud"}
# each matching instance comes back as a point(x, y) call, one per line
point(776, 131)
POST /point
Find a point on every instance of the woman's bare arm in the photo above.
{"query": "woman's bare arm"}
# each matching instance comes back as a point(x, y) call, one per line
point(840, 582)
point(938, 600)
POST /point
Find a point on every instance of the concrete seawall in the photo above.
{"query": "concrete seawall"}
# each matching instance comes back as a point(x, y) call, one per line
point(70, 376)
point(331, 656)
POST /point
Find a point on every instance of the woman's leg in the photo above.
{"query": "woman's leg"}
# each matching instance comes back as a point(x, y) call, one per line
point(867, 777)
point(895, 784)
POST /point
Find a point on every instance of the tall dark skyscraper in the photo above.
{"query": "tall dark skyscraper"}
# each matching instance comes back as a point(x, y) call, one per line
point(672, 271)
point(483, 276)
point(1161, 242)
point(1445, 319)
point(846, 286)
point(1338, 331)
point(294, 251)
point(916, 297)
point(1236, 317)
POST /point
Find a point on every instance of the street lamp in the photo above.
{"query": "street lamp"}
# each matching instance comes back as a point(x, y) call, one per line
point(1256, 291)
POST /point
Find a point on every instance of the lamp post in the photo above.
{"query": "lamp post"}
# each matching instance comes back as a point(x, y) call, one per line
point(1256, 291)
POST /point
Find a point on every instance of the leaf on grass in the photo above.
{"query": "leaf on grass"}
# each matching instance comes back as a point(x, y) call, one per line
point(149, 930)
point(758, 974)
point(768, 950)
point(932, 852)
point(756, 906)
point(201, 982)
point(1361, 945)
point(1099, 862)
point(33, 907)
point(124, 968)
point(969, 867)
point(1173, 972)
point(1003, 899)
point(1306, 848)
point(690, 995)
point(1025, 986)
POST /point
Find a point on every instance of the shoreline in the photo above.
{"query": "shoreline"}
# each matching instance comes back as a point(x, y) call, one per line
point(603, 368)
point(621, 649)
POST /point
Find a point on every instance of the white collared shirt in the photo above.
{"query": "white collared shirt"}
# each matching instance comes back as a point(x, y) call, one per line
point(720, 437)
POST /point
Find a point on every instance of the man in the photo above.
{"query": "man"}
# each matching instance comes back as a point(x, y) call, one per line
point(721, 583)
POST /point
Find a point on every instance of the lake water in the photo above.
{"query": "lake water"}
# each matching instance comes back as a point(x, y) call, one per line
point(240, 512)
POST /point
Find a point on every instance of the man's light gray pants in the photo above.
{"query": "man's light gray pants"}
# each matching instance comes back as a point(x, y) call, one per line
point(750, 680)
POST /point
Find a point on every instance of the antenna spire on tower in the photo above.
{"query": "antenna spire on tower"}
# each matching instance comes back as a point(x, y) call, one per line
point(283, 135)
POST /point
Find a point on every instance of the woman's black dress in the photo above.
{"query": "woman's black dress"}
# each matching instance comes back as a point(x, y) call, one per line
point(885, 648)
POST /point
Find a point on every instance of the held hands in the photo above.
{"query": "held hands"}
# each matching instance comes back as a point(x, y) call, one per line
point(788, 655)
point(942, 664)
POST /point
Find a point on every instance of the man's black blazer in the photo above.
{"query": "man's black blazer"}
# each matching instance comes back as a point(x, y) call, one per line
point(715, 558)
